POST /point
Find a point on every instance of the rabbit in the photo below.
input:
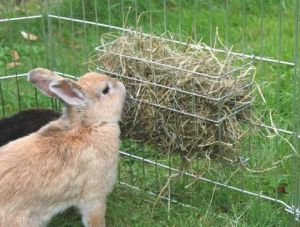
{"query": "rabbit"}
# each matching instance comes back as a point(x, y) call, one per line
point(69, 162)
point(25, 122)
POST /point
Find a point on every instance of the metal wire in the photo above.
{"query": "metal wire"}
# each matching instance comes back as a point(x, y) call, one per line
point(15, 70)
point(296, 161)
point(52, 49)
point(260, 195)
point(217, 121)
point(110, 27)
point(20, 18)
point(2, 100)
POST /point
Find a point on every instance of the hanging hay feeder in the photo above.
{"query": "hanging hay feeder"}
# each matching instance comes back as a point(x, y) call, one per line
point(187, 98)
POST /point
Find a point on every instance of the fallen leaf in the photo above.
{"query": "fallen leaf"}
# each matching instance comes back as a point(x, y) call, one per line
point(78, 32)
point(13, 64)
point(15, 55)
point(74, 45)
point(29, 36)
point(281, 189)
point(70, 43)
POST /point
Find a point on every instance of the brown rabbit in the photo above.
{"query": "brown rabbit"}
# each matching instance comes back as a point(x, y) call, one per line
point(69, 162)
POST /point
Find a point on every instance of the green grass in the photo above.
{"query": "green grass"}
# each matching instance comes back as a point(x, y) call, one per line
point(132, 208)
point(71, 44)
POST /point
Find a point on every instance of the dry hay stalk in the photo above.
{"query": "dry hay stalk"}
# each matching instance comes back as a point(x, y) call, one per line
point(166, 128)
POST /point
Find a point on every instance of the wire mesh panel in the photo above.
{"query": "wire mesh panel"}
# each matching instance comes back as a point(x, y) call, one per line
point(223, 141)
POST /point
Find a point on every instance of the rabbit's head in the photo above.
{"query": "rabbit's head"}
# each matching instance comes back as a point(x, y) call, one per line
point(94, 98)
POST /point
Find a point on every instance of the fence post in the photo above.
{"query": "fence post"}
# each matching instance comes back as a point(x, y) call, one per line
point(296, 139)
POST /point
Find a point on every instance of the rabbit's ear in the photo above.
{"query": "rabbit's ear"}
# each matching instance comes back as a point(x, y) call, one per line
point(42, 78)
point(68, 91)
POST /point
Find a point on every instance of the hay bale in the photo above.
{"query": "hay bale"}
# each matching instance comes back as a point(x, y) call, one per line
point(184, 96)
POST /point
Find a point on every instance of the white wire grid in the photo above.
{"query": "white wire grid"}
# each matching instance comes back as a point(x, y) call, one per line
point(51, 18)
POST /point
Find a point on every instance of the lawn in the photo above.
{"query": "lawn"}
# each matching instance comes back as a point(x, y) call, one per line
point(263, 28)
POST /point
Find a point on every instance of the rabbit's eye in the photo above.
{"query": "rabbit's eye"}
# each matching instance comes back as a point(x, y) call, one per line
point(105, 90)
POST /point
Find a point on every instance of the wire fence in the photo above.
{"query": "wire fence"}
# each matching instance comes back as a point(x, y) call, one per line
point(64, 35)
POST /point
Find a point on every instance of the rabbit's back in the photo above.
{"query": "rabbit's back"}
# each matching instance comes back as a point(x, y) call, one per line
point(29, 171)
point(46, 172)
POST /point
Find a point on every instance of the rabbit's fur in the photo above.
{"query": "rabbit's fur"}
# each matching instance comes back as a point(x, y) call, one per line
point(25, 122)
point(69, 162)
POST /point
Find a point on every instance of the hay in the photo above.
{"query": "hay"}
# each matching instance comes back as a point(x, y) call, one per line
point(183, 99)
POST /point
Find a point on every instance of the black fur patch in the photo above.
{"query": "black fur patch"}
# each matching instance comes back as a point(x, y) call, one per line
point(24, 123)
